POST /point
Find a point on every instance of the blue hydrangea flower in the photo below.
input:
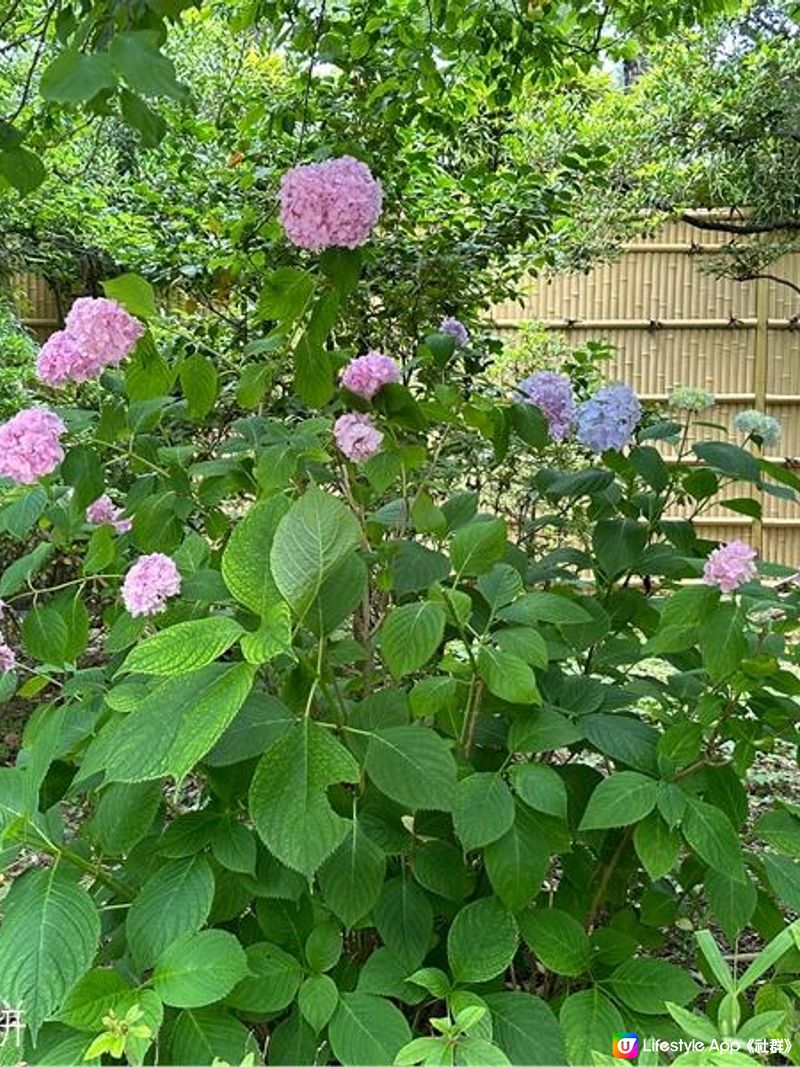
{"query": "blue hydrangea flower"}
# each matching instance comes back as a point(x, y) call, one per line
point(690, 398)
point(608, 419)
point(756, 423)
point(552, 394)
point(457, 330)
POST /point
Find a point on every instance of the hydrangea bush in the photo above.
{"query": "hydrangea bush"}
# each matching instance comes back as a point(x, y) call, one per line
point(331, 762)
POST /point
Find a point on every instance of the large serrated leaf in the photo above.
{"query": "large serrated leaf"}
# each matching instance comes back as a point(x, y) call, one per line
point(183, 648)
point(151, 925)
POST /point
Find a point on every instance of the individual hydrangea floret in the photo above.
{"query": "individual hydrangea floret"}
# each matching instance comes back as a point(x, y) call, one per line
point(756, 423)
point(607, 420)
point(552, 394)
point(104, 333)
point(730, 566)
point(690, 398)
point(457, 330)
point(30, 445)
point(104, 512)
point(148, 584)
point(357, 436)
point(367, 375)
point(8, 659)
point(334, 204)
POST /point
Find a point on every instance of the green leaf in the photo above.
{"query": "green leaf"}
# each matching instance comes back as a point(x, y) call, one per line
point(541, 788)
point(366, 1029)
point(188, 885)
point(403, 917)
point(324, 946)
point(477, 546)
point(136, 114)
point(314, 538)
point(49, 935)
point(246, 560)
point(200, 384)
point(483, 810)
point(414, 766)
point(728, 459)
point(288, 799)
point(199, 968)
point(710, 834)
point(203, 1035)
point(588, 1022)
point(317, 1000)
point(136, 58)
point(45, 635)
point(134, 292)
point(657, 846)
point(645, 985)
point(620, 800)
point(351, 880)
point(23, 569)
point(74, 77)
point(482, 941)
point(173, 727)
point(92, 997)
point(286, 294)
point(732, 903)
point(517, 863)
point(722, 641)
point(234, 846)
point(272, 983)
point(313, 373)
point(21, 515)
point(783, 875)
point(532, 609)
point(22, 169)
point(560, 942)
point(124, 814)
point(183, 648)
point(507, 676)
point(410, 635)
point(525, 1029)
point(618, 546)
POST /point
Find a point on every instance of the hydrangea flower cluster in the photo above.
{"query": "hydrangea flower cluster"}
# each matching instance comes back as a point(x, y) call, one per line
point(608, 419)
point(690, 398)
point(98, 333)
point(30, 445)
point(730, 566)
point(457, 330)
point(552, 394)
point(334, 204)
point(148, 584)
point(104, 512)
point(8, 659)
point(357, 436)
point(367, 375)
point(756, 423)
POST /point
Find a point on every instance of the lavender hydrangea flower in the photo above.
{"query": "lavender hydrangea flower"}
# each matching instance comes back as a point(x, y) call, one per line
point(334, 204)
point(357, 436)
point(730, 566)
point(366, 375)
point(8, 659)
point(30, 445)
point(457, 330)
point(756, 423)
point(608, 419)
point(148, 584)
point(104, 512)
point(552, 394)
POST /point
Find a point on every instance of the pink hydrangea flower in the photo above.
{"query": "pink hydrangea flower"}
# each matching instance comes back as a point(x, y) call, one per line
point(357, 436)
point(730, 566)
point(30, 445)
point(8, 659)
point(367, 375)
point(61, 360)
point(104, 512)
point(104, 333)
point(334, 204)
point(148, 584)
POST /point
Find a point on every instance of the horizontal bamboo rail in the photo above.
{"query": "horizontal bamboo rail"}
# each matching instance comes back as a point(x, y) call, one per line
point(651, 324)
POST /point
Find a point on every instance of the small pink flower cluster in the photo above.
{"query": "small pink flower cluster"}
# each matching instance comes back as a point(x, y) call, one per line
point(730, 566)
point(357, 436)
point(148, 584)
point(8, 659)
point(30, 445)
point(334, 204)
point(367, 375)
point(98, 333)
point(104, 512)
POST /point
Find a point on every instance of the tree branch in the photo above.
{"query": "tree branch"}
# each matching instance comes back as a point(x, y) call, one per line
point(722, 226)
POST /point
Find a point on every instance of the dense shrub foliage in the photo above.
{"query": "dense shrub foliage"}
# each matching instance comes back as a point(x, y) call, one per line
point(331, 762)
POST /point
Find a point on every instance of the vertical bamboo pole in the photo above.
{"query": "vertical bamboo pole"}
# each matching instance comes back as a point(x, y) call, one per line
point(760, 371)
